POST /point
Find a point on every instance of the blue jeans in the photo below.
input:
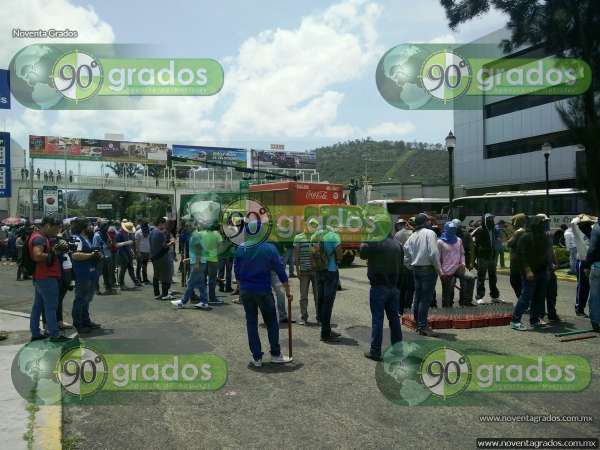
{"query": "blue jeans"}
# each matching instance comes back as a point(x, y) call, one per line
point(84, 294)
point(196, 280)
point(327, 283)
point(425, 279)
point(289, 260)
point(46, 298)
point(594, 299)
point(252, 302)
point(532, 296)
point(384, 299)
point(210, 270)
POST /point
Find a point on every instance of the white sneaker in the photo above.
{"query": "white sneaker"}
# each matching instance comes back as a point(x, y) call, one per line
point(496, 300)
point(168, 297)
point(482, 301)
point(281, 359)
point(256, 362)
point(202, 306)
point(177, 303)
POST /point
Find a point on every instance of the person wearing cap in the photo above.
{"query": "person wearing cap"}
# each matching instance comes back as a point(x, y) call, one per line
point(305, 268)
point(125, 253)
point(582, 230)
point(85, 262)
point(421, 256)
point(46, 278)
point(384, 257)
point(593, 263)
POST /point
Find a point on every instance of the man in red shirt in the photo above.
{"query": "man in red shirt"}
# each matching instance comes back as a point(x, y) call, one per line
point(46, 278)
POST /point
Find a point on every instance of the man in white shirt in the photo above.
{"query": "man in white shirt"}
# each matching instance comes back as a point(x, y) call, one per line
point(421, 256)
point(572, 247)
point(142, 251)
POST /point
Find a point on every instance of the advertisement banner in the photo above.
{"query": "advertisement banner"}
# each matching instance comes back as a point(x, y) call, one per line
point(97, 150)
point(212, 155)
point(50, 200)
point(265, 159)
point(5, 180)
point(4, 89)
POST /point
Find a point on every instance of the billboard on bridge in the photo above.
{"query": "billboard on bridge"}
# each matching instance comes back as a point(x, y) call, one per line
point(213, 155)
point(56, 147)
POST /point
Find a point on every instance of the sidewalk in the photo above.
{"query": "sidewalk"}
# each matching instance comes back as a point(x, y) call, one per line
point(22, 423)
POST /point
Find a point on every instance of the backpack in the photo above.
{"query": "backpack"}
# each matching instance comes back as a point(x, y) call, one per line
point(28, 262)
point(319, 257)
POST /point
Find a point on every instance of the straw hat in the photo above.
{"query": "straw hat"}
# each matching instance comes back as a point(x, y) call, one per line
point(128, 227)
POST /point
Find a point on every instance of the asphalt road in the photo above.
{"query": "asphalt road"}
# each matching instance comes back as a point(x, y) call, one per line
point(327, 398)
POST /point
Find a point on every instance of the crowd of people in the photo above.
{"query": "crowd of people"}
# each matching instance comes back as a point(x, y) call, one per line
point(403, 270)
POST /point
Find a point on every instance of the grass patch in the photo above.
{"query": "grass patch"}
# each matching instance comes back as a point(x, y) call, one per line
point(71, 442)
point(28, 436)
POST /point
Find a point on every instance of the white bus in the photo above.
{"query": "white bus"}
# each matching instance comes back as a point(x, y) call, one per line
point(564, 204)
point(406, 209)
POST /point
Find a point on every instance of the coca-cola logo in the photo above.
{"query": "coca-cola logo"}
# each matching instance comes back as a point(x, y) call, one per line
point(316, 195)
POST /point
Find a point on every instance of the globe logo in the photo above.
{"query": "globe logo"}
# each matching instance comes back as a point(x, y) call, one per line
point(82, 371)
point(77, 76)
point(445, 75)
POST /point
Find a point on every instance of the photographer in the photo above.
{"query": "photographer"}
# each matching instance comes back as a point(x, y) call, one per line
point(46, 278)
point(85, 262)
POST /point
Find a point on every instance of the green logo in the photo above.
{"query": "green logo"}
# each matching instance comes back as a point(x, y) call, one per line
point(82, 371)
point(430, 373)
point(451, 76)
point(446, 75)
point(445, 372)
point(100, 76)
point(77, 76)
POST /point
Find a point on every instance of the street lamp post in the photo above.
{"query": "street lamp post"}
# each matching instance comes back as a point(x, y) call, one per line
point(450, 145)
point(547, 149)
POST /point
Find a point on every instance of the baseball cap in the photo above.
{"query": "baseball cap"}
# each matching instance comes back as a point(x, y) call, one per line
point(544, 217)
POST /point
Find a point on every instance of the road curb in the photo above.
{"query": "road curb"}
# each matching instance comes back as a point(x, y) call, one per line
point(559, 276)
point(47, 428)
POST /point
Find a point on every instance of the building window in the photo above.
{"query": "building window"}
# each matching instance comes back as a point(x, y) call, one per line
point(518, 104)
point(528, 145)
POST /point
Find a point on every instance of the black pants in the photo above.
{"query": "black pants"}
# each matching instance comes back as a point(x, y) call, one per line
point(583, 288)
point(516, 281)
point(487, 266)
point(327, 283)
point(126, 265)
point(108, 273)
point(551, 294)
point(407, 289)
point(141, 270)
point(160, 288)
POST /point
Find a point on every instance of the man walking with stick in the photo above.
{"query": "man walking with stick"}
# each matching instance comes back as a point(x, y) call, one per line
point(253, 265)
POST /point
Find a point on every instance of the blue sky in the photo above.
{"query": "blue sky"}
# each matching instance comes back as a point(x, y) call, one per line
point(299, 73)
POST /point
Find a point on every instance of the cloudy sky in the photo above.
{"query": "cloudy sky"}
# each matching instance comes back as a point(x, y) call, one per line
point(299, 73)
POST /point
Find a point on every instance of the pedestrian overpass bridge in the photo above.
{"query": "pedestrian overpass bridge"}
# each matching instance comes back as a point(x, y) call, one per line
point(209, 180)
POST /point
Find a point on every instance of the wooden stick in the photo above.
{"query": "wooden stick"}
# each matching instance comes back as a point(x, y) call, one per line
point(570, 333)
point(578, 338)
point(289, 327)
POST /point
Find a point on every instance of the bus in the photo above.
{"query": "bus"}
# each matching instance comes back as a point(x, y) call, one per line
point(405, 209)
point(564, 204)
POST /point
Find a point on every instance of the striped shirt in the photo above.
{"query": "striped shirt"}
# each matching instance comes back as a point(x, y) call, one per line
point(304, 246)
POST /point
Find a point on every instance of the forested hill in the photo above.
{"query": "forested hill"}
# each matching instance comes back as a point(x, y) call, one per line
point(399, 161)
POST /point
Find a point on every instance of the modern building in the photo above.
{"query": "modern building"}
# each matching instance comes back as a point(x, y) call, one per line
point(499, 145)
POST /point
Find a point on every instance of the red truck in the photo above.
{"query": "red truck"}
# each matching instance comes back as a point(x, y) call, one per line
point(291, 202)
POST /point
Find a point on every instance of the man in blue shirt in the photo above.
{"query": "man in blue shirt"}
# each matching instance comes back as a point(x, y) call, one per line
point(253, 265)
point(85, 263)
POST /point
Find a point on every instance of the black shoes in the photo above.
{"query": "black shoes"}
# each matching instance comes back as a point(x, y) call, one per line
point(373, 357)
point(427, 332)
point(581, 314)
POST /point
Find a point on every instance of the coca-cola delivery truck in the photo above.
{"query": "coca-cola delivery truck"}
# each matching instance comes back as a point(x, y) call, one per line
point(291, 203)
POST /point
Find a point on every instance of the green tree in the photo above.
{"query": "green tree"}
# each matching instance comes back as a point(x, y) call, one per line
point(121, 169)
point(564, 28)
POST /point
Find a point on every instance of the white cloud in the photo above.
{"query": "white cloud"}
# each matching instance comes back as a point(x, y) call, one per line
point(283, 81)
point(45, 14)
point(391, 130)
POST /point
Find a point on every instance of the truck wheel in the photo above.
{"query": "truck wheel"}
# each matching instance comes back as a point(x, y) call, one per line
point(347, 260)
